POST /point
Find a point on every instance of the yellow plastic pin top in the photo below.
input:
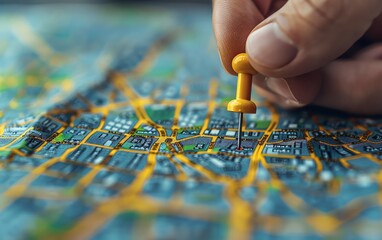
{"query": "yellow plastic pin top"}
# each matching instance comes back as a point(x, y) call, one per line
point(243, 68)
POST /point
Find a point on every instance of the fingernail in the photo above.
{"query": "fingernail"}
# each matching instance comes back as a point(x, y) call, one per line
point(270, 47)
point(259, 80)
point(280, 87)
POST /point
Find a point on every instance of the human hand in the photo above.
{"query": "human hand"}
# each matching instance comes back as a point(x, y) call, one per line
point(297, 44)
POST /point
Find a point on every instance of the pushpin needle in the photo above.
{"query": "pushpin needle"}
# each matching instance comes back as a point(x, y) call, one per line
point(242, 104)
point(240, 131)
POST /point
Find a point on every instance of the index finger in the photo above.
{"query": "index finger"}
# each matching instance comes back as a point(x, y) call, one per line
point(232, 22)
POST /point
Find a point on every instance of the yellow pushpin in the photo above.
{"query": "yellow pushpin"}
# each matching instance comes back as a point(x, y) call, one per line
point(242, 104)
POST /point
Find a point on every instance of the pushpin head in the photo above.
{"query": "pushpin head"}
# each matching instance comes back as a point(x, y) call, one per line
point(241, 105)
point(240, 64)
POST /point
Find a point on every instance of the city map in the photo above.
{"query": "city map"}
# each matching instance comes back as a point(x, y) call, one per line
point(113, 125)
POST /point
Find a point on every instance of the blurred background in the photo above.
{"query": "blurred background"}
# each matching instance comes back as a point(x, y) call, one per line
point(105, 1)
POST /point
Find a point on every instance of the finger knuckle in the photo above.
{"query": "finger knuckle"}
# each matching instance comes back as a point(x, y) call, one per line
point(319, 13)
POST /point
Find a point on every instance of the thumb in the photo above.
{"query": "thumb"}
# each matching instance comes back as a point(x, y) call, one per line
point(305, 35)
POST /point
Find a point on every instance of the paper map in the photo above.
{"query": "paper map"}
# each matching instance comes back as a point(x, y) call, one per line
point(113, 125)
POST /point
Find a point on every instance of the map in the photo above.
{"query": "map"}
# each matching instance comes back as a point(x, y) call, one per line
point(113, 124)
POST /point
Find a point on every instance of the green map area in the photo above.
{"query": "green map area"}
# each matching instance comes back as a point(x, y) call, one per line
point(113, 124)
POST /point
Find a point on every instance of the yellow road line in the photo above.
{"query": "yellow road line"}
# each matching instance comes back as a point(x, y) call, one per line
point(25, 34)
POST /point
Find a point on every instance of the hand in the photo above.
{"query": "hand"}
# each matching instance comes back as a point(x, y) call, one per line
point(298, 45)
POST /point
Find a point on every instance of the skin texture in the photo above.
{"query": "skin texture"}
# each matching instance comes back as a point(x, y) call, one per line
point(310, 67)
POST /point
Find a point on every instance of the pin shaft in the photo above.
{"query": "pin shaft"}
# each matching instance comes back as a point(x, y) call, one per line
point(240, 131)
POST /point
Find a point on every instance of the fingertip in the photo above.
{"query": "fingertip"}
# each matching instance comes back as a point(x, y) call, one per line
point(276, 99)
point(232, 23)
point(226, 59)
